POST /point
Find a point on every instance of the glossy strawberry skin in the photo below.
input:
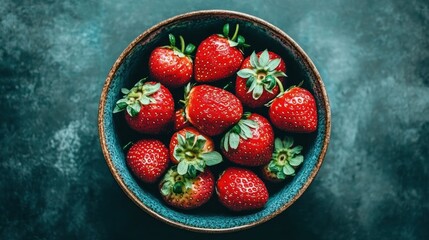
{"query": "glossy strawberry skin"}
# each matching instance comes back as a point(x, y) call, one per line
point(212, 110)
point(148, 159)
point(294, 111)
point(200, 193)
point(255, 151)
point(209, 146)
point(216, 59)
point(170, 69)
point(154, 117)
point(240, 189)
point(180, 121)
point(241, 89)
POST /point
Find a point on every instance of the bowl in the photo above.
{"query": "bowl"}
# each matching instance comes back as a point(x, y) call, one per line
point(195, 26)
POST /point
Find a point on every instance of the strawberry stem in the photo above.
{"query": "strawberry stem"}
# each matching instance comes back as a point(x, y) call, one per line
point(236, 32)
point(279, 83)
point(182, 44)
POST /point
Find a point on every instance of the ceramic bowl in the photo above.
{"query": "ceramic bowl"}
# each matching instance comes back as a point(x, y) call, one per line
point(131, 66)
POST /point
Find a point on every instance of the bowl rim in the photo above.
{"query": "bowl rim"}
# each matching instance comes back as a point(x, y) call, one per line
point(216, 12)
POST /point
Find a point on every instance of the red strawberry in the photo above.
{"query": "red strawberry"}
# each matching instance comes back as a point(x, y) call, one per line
point(284, 161)
point(150, 107)
point(183, 192)
point(180, 120)
point(192, 151)
point(148, 159)
point(219, 56)
point(172, 66)
point(294, 111)
point(250, 142)
point(212, 110)
point(240, 189)
point(260, 78)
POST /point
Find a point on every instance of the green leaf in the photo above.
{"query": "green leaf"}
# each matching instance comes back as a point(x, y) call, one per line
point(274, 168)
point(182, 167)
point(181, 140)
point(279, 74)
point(250, 81)
point(166, 188)
point(178, 187)
point(125, 91)
point(254, 60)
point(190, 138)
point(192, 171)
point(288, 170)
point(296, 150)
point(117, 109)
point(135, 108)
point(240, 40)
point(172, 39)
point(273, 64)
point(234, 140)
point(201, 141)
point(225, 141)
point(212, 158)
point(177, 153)
point(199, 167)
point(287, 142)
point(245, 132)
point(151, 89)
point(296, 161)
point(189, 49)
point(264, 58)
point(250, 123)
point(271, 83)
point(144, 100)
point(246, 73)
point(130, 111)
point(226, 30)
point(253, 85)
point(278, 144)
point(232, 43)
point(281, 175)
point(257, 91)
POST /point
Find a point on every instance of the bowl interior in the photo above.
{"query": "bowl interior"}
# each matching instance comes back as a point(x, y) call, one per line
point(132, 66)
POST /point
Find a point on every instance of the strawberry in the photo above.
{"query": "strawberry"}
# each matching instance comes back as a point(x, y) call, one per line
point(250, 142)
point(171, 66)
point(192, 151)
point(240, 189)
point(294, 111)
point(184, 192)
point(179, 120)
point(260, 78)
point(211, 110)
point(148, 159)
point(284, 161)
point(219, 56)
point(149, 107)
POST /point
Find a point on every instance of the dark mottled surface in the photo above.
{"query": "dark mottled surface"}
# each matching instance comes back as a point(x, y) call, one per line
point(373, 56)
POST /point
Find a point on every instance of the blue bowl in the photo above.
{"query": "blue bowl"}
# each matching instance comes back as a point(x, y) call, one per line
point(195, 26)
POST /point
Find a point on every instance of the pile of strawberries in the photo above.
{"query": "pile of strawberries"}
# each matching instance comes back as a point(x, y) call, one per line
point(246, 140)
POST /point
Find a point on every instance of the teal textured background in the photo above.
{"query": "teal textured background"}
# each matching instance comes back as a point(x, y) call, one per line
point(373, 57)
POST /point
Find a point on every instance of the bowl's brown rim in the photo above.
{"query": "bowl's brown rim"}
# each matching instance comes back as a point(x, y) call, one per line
point(226, 13)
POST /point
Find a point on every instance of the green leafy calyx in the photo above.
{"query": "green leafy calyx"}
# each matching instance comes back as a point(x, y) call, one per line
point(286, 158)
point(174, 183)
point(236, 40)
point(262, 75)
point(133, 99)
point(192, 155)
point(184, 51)
point(243, 129)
